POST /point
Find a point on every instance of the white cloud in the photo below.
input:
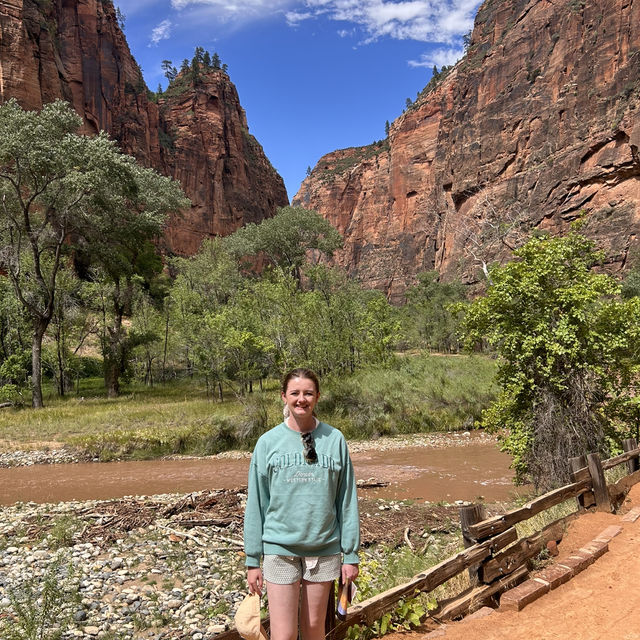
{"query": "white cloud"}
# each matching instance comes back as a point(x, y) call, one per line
point(294, 18)
point(422, 20)
point(435, 21)
point(161, 32)
point(438, 57)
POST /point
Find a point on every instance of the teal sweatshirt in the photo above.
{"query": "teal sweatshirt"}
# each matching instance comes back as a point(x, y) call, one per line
point(295, 508)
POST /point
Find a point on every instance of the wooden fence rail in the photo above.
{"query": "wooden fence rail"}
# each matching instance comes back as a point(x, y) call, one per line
point(496, 558)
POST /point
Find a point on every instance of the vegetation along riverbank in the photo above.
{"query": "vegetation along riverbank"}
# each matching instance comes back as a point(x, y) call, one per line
point(419, 393)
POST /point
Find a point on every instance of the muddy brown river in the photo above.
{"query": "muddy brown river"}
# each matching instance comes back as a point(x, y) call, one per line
point(457, 472)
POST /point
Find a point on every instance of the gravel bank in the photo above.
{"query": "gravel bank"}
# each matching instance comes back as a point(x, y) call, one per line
point(160, 567)
point(162, 580)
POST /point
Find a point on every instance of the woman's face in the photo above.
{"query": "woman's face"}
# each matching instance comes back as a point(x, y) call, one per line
point(301, 397)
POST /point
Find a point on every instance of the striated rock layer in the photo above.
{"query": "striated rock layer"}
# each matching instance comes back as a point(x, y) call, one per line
point(75, 50)
point(537, 125)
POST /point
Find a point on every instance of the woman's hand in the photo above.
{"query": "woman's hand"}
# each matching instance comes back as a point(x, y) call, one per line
point(254, 578)
point(349, 572)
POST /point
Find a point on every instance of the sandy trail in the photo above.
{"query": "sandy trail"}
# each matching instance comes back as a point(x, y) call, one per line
point(601, 603)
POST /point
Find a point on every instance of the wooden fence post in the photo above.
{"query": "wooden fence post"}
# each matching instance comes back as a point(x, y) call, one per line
point(629, 444)
point(577, 463)
point(600, 490)
point(469, 515)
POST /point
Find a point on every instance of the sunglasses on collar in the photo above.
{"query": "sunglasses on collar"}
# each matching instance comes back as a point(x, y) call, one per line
point(309, 445)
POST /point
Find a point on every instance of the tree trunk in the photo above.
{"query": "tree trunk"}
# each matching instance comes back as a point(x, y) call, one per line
point(112, 377)
point(164, 351)
point(36, 364)
point(61, 376)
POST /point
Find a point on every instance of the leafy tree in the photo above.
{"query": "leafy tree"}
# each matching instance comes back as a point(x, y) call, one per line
point(63, 192)
point(185, 67)
point(14, 377)
point(118, 281)
point(225, 68)
point(14, 327)
point(215, 60)
point(429, 319)
point(387, 127)
point(206, 60)
point(380, 328)
point(284, 240)
point(203, 284)
point(339, 308)
point(148, 325)
point(566, 344)
point(68, 325)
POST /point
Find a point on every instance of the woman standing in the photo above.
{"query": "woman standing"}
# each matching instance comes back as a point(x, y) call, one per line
point(302, 513)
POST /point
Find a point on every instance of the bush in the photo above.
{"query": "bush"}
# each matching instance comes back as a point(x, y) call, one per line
point(420, 394)
point(12, 394)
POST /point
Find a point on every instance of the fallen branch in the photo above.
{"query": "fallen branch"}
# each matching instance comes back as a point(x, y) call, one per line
point(406, 538)
point(182, 533)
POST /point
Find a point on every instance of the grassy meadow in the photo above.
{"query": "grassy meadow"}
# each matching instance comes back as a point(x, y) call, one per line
point(418, 393)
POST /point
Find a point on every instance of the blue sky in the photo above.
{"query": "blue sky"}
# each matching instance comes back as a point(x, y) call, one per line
point(312, 75)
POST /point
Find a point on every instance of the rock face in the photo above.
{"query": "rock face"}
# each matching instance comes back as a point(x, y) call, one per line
point(206, 145)
point(536, 126)
point(75, 50)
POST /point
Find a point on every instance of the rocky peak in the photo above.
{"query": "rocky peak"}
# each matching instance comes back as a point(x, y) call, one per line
point(76, 51)
point(206, 145)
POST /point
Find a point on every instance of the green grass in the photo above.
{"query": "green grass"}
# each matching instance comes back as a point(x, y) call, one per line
point(419, 393)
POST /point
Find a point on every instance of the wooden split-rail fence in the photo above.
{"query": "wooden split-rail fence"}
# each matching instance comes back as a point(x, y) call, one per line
point(494, 556)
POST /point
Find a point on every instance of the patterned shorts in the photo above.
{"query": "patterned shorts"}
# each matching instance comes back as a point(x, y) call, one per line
point(290, 569)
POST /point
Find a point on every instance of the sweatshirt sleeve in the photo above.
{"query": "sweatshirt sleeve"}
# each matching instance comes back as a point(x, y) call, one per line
point(257, 504)
point(347, 511)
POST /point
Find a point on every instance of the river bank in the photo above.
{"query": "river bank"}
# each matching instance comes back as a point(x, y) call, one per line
point(167, 566)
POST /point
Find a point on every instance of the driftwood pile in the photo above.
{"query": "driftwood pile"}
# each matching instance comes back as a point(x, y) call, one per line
point(213, 512)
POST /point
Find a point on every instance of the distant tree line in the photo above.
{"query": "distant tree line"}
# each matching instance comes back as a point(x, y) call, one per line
point(84, 292)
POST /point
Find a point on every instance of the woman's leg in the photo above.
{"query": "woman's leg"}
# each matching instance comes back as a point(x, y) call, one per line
point(283, 610)
point(313, 610)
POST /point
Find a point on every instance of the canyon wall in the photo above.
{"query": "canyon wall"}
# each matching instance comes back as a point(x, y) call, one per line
point(536, 126)
point(76, 51)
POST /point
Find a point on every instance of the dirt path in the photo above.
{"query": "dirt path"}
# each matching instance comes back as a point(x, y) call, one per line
point(601, 603)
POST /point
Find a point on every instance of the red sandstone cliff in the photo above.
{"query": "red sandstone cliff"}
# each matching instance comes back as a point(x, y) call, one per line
point(536, 125)
point(75, 50)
